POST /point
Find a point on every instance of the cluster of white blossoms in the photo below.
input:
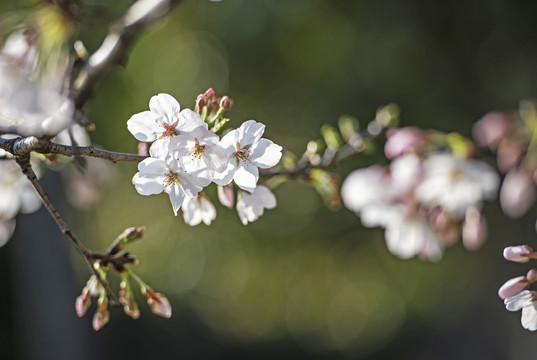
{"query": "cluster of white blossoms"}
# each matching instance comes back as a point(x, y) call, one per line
point(422, 198)
point(185, 157)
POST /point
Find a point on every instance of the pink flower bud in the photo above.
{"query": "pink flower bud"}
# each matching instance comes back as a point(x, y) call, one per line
point(101, 317)
point(491, 128)
point(521, 253)
point(532, 276)
point(513, 287)
point(517, 194)
point(404, 140)
point(209, 93)
point(226, 196)
point(82, 303)
point(474, 229)
point(159, 304)
point(226, 103)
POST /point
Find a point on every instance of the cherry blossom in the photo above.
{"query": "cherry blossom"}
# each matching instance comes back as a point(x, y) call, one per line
point(155, 176)
point(163, 121)
point(455, 184)
point(198, 154)
point(245, 152)
point(250, 206)
point(198, 209)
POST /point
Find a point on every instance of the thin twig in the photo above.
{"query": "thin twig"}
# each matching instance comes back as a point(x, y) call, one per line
point(53, 148)
point(24, 163)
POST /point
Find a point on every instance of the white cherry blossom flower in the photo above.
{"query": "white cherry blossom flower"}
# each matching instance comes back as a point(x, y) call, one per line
point(198, 209)
point(524, 301)
point(456, 184)
point(198, 155)
point(163, 121)
point(156, 176)
point(250, 206)
point(245, 152)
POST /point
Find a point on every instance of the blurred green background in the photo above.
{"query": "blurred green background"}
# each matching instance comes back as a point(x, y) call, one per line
point(302, 282)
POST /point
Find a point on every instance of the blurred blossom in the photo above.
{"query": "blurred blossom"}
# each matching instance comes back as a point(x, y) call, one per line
point(6, 230)
point(455, 184)
point(226, 195)
point(421, 202)
point(30, 100)
point(403, 141)
point(492, 128)
point(517, 194)
point(474, 229)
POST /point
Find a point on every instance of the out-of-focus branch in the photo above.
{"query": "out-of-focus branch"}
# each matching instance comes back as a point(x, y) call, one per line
point(116, 46)
point(24, 163)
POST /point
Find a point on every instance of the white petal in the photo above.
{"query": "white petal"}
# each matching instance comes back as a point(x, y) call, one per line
point(144, 126)
point(165, 106)
point(160, 149)
point(517, 302)
point(30, 201)
point(152, 167)
point(208, 211)
point(224, 178)
point(177, 195)
point(265, 196)
point(246, 176)
point(529, 316)
point(6, 230)
point(250, 132)
point(189, 121)
point(191, 211)
point(148, 185)
point(265, 153)
point(191, 185)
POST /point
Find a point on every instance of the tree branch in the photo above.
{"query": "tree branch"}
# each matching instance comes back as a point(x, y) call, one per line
point(115, 47)
point(24, 163)
point(53, 148)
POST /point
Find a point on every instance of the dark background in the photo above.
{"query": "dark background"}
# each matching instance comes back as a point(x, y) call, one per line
point(302, 282)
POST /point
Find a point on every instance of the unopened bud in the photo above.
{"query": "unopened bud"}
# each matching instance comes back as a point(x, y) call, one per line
point(126, 298)
point(82, 303)
point(102, 316)
point(159, 304)
point(226, 103)
point(403, 141)
point(474, 229)
point(513, 287)
point(532, 276)
point(209, 93)
point(517, 194)
point(521, 253)
point(226, 196)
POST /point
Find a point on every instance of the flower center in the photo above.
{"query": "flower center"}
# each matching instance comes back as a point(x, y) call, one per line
point(199, 150)
point(242, 154)
point(171, 178)
point(169, 129)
